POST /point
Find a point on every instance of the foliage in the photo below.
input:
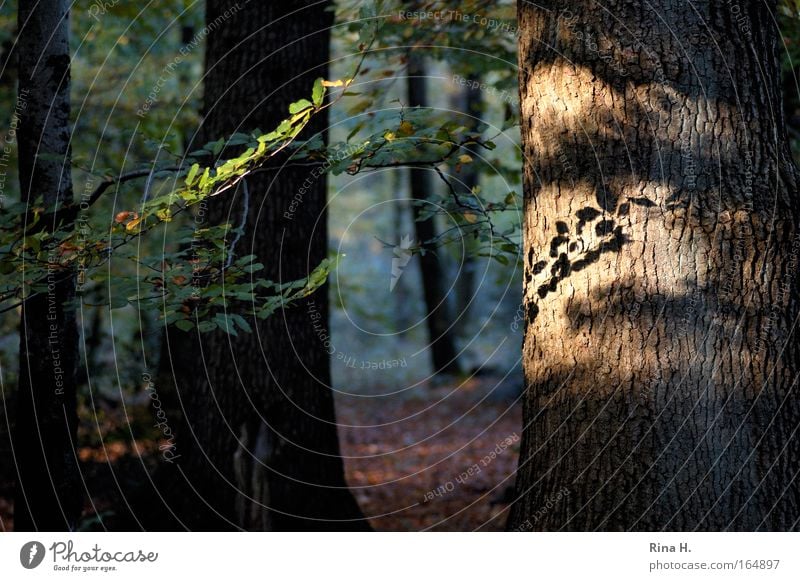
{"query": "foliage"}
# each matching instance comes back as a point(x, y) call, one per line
point(197, 274)
point(477, 40)
point(789, 22)
point(200, 281)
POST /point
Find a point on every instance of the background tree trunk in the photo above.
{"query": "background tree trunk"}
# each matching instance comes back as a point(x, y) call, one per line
point(259, 439)
point(48, 495)
point(661, 241)
point(469, 102)
point(434, 285)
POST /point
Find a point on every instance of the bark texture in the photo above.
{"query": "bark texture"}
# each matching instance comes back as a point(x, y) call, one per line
point(48, 495)
point(662, 251)
point(259, 441)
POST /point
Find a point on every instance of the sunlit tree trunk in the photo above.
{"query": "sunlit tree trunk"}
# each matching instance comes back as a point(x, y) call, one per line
point(259, 444)
point(48, 495)
point(661, 268)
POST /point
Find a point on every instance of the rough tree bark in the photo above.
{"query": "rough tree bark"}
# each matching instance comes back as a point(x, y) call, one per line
point(48, 495)
point(661, 246)
point(441, 330)
point(259, 443)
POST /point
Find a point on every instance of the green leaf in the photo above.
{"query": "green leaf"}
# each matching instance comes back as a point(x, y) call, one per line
point(239, 139)
point(360, 107)
point(192, 174)
point(184, 325)
point(245, 260)
point(242, 322)
point(224, 322)
point(217, 146)
point(299, 106)
point(7, 267)
point(33, 243)
point(318, 93)
point(205, 177)
point(206, 326)
point(355, 130)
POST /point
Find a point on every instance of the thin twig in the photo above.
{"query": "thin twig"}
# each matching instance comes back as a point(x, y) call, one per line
point(106, 183)
point(242, 224)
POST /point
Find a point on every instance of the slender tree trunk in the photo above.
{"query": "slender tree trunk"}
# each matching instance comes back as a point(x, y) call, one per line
point(439, 322)
point(403, 312)
point(662, 252)
point(259, 445)
point(93, 346)
point(468, 101)
point(48, 493)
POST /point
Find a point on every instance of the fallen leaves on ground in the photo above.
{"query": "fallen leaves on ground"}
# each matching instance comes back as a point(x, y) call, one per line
point(439, 459)
point(425, 458)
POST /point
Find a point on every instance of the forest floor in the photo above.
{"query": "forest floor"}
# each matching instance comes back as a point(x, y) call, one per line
point(427, 458)
point(440, 459)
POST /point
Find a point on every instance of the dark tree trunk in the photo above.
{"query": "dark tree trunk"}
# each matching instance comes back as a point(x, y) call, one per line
point(259, 443)
point(661, 240)
point(468, 101)
point(438, 320)
point(48, 493)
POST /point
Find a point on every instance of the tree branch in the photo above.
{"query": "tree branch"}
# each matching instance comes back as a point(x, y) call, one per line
point(106, 183)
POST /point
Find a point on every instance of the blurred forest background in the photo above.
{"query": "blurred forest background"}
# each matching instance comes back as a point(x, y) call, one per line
point(406, 432)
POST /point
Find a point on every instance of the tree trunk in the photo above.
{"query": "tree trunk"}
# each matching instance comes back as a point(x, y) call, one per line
point(259, 445)
point(48, 495)
point(469, 103)
point(439, 322)
point(661, 245)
